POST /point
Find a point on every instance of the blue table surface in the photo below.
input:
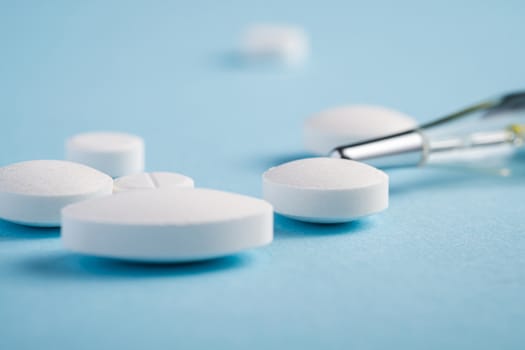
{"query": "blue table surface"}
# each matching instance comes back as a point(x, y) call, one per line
point(443, 267)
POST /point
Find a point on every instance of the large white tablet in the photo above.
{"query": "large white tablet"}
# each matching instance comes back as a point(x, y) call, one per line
point(326, 190)
point(114, 153)
point(34, 192)
point(350, 124)
point(149, 181)
point(167, 226)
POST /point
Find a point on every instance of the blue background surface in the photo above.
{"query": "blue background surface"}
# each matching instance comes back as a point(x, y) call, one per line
point(444, 267)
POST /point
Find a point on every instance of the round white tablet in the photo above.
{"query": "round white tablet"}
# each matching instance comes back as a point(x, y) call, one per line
point(326, 190)
point(282, 42)
point(114, 153)
point(350, 124)
point(167, 226)
point(149, 181)
point(34, 192)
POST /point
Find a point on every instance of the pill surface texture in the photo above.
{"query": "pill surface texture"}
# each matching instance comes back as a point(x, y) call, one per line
point(167, 226)
point(149, 181)
point(114, 153)
point(350, 124)
point(326, 190)
point(286, 43)
point(34, 192)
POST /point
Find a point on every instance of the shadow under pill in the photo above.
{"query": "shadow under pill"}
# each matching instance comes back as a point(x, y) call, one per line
point(13, 232)
point(230, 60)
point(73, 266)
point(286, 228)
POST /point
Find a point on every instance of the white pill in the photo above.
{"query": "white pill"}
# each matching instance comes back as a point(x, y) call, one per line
point(266, 41)
point(34, 192)
point(155, 180)
point(349, 124)
point(326, 190)
point(114, 153)
point(167, 226)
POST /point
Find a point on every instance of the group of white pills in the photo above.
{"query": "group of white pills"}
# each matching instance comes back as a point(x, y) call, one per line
point(157, 217)
point(108, 206)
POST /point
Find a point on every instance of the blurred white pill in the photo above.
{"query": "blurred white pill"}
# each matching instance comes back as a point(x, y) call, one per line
point(34, 192)
point(167, 226)
point(114, 153)
point(280, 42)
point(326, 190)
point(154, 180)
point(349, 124)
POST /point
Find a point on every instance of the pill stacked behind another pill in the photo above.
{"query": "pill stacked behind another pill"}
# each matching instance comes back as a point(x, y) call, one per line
point(326, 190)
point(148, 181)
point(344, 125)
point(114, 153)
point(34, 192)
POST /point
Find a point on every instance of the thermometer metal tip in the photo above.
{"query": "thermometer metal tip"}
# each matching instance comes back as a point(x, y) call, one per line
point(414, 147)
point(402, 149)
